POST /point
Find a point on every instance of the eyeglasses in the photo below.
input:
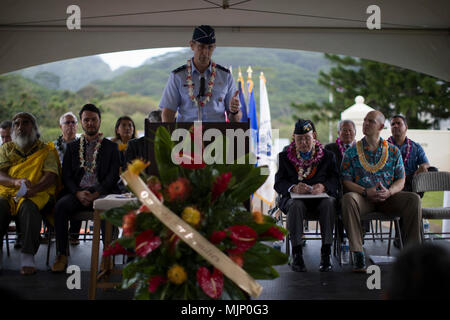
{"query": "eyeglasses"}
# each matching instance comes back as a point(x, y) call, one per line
point(70, 122)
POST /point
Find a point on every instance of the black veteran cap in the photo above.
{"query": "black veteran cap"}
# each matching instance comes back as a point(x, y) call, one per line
point(304, 126)
point(204, 34)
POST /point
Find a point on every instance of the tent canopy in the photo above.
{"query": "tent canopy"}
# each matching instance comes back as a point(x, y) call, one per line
point(413, 35)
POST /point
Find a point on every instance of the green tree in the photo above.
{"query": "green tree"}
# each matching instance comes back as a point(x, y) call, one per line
point(390, 89)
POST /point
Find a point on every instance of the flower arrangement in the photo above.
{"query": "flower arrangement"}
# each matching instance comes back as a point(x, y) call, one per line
point(209, 199)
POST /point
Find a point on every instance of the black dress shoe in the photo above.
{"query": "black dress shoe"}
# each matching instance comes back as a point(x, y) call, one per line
point(325, 263)
point(298, 265)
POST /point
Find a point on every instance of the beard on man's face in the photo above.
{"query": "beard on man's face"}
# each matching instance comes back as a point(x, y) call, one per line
point(23, 140)
point(90, 131)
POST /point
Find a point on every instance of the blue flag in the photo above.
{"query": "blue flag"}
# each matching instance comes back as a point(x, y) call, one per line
point(243, 104)
point(253, 124)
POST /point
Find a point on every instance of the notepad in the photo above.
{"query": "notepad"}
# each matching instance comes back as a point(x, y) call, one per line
point(308, 196)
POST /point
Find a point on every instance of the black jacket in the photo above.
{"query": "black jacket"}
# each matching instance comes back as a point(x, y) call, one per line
point(333, 147)
point(108, 165)
point(286, 176)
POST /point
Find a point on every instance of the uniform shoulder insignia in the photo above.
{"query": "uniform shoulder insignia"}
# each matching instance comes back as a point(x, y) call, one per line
point(222, 68)
point(180, 68)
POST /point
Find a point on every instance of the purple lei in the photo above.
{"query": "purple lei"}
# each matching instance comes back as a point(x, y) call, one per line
point(298, 161)
point(408, 148)
point(341, 146)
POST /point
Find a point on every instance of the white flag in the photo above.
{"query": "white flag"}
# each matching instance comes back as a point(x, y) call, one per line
point(266, 192)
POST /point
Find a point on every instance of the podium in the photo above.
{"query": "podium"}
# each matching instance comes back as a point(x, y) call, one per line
point(226, 128)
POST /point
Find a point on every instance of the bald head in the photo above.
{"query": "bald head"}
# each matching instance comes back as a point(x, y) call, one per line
point(373, 123)
point(379, 116)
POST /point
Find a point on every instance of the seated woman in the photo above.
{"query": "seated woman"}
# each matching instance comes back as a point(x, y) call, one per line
point(125, 130)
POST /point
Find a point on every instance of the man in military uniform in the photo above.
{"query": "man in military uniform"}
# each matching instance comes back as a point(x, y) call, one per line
point(306, 170)
point(201, 90)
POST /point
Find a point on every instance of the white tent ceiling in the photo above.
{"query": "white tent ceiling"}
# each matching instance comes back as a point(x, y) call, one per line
point(415, 34)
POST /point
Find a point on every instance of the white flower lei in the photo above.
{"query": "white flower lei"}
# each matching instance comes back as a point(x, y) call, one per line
point(191, 84)
point(90, 169)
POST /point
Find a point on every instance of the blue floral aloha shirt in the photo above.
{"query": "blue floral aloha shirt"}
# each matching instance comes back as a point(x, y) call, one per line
point(352, 169)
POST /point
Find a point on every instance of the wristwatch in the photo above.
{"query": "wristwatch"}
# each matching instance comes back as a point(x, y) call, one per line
point(364, 193)
point(234, 112)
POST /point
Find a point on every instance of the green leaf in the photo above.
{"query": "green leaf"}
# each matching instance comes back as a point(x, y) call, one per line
point(168, 171)
point(232, 291)
point(262, 252)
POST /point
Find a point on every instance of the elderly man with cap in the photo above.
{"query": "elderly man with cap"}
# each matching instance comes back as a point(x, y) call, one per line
point(305, 171)
point(201, 90)
point(29, 175)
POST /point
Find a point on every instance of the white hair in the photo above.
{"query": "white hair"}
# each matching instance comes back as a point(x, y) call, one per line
point(70, 113)
point(340, 123)
point(25, 141)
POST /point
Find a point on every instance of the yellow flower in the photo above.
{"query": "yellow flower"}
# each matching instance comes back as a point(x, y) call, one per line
point(258, 217)
point(137, 165)
point(176, 274)
point(122, 146)
point(191, 216)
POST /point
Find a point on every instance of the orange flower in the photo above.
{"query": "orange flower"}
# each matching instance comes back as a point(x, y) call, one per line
point(179, 190)
point(258, 217)
point(129, 223)
point(237, 259)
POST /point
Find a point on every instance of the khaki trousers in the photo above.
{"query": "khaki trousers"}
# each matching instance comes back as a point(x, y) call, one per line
point(406, 205)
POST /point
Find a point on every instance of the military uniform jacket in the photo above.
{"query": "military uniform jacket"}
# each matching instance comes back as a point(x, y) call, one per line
point(176, 94)
point(286, 176)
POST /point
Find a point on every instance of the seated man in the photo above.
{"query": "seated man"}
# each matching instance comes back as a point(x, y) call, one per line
point(373, 173)
point(90, 170)
point(68, 123)
point(26, 164)
point(5, 131)
point(345, 139)
point(414, 158)
point(305, 168)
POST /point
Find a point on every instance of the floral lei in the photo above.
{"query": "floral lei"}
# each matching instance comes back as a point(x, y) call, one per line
point(191, 84)
point(366, 165)
point(408, 148)
point(90, 169)
point(341, 146)
point(306, 169)
point(59, 144)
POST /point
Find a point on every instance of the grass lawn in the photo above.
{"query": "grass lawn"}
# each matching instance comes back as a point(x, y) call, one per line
point(433, 199)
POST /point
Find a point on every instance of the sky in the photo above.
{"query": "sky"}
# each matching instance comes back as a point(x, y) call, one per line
point(133, 58)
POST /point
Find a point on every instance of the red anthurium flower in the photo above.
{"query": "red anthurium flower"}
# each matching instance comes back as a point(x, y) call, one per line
point(115, 249)
point(179, 190)
point(143, 208)
point(146, 242)
point(274, 232)
point(154, 183)
point(211, 284)
point(154, 282)
point(220, 185)
point(217, 236)
point(243, 237)
point(157, 194)
point(129, 223)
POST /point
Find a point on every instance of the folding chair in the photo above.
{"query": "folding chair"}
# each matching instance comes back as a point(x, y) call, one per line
point(433, 181)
